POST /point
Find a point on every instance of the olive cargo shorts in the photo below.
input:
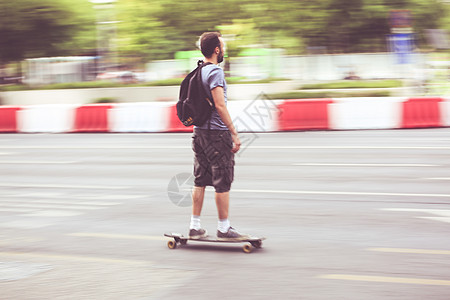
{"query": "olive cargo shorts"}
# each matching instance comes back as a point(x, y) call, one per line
point(213, 159)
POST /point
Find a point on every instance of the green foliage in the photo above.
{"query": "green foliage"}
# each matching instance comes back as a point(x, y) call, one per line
point(354, 84)
point(157, 29)
point(328, 94)
point(108, 84)
point(31, 28)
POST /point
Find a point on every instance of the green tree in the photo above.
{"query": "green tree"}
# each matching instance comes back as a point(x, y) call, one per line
point(34, 28)
point(158, 29)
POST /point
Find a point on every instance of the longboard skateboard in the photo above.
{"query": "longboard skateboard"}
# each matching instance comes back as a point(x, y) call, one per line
point(252, 242)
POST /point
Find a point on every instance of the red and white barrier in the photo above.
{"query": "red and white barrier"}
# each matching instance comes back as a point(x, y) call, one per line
point(8, 118)
point(422, 112)
point(445, 108)
point(139, 117)
point(365, 113)
point(51, 118)
point(304, 114)
point(248, 116)
point(254, 116)
point(92, 118)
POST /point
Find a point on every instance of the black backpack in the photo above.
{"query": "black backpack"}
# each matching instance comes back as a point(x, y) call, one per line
point(194, 106)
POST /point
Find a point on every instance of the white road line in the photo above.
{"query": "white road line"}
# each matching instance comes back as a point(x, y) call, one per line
point(118, 236)
point(412, 251)
point(440, 219)
point(165, 147)
point(353, 147)
point(77, 197)
point(38, 194)
point(20, 210)
point(30, 162)
point(42, 206)
point(64, 202)
point(438, 178)
point(443, 215)
point(52, 257)
point(439, 212)
point(27, 224)
point(363, 165)
point(97, 147)
point(340, 193)
point(52, 213)
point(63, 186)
point(109, 197)
point(420, 281)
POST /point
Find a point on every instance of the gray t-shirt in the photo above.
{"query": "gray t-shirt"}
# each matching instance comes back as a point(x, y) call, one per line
point(212, 77)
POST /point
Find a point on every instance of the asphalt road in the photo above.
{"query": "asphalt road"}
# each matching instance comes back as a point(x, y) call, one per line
point(347, 215)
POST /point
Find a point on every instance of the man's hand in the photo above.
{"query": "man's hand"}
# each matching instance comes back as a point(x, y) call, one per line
point(236, 143)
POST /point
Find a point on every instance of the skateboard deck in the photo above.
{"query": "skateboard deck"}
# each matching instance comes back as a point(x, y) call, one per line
point(251, 243)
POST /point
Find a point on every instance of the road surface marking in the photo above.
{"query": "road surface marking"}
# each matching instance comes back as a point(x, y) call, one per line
point(63, 186)
point(351, 147)
point(385, 279)
point(413, 251)
point(16, 210)
point(119, 236)
point(39, 206)
point(109, 197)
point(38, 194)
point(30, 162)
point(165, 147)
point(65, 202)
point(363, 165)
point(27, 224)
point(443, 214)
point(438, 178)
point(77, 197)
point(340, 193)
point(22, 255)
point(52, 213)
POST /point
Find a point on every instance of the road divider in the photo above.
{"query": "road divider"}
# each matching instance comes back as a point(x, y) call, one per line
point(92, 118)
point(304, 114)
point(139, 117)
point(47, 118)
point(8, 118)
point(422, 113)
point(247, 115)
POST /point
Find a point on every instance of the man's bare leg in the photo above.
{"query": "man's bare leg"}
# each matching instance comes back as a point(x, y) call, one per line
point(198, 194)
point(195, 228)
point(223, 203)
point(225, 231)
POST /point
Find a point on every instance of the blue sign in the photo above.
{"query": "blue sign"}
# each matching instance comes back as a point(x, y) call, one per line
point(402, 44)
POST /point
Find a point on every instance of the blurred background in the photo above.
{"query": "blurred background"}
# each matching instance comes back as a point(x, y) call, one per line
point(51, 44)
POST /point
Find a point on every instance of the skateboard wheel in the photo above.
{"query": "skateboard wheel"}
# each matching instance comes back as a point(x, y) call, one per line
point(171, 244)
point(183, 242)
point(257, 244)
point(247, 248)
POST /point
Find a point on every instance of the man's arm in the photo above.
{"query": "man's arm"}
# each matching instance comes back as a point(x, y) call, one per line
point(219, 101)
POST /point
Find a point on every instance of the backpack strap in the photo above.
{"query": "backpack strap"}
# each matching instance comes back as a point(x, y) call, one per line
point(202, 64)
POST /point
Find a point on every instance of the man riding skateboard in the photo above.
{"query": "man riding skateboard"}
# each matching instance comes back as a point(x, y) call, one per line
point(214, 145)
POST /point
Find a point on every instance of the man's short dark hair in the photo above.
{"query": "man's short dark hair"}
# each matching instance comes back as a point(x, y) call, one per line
point(208, 42)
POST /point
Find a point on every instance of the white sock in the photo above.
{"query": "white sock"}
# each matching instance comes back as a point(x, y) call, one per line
point(223, 225)
point(195, 223)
